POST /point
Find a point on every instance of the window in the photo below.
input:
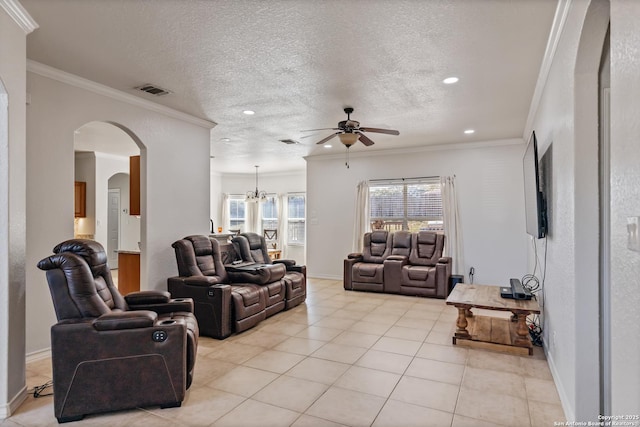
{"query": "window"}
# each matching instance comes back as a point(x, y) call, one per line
point(236, 212)
point(407, 204)
point(269, 213)
point(295, 219)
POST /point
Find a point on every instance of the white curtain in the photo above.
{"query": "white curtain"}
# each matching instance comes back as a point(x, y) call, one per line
point(453, 245)
point(224, 220)
point(252, 217)
point(282, 223)
point(361, 217)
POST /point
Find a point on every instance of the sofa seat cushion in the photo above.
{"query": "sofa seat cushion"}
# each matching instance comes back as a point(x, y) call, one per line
point(419, 276)
point(367, 273)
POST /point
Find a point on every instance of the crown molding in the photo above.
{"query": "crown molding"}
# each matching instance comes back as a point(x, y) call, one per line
point(557, 27)
point(100, 89)
point(20, 15)
point(422, 149)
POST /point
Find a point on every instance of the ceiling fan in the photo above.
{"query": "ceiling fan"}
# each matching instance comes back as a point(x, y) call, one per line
point(349, 131)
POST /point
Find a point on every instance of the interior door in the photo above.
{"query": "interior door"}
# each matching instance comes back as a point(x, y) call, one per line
point(113, 227)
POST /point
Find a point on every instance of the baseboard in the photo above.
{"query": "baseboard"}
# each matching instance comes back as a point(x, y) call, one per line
point(323, 276)
point(38, 355)
point(10, 408)
point(569, 412)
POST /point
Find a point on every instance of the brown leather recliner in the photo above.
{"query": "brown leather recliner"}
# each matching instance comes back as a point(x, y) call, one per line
point(252, 248)
point(427, 272)
point(220, 307)
point(111, 352)
point(365, 271)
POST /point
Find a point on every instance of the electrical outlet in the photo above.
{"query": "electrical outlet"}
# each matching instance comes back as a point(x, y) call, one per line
point(553, 339)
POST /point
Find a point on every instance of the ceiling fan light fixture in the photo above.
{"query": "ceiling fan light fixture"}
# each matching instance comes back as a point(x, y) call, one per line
point(348, 138)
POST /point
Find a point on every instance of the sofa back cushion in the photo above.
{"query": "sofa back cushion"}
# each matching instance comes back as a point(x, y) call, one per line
point(80, 280)
point(377, 246)
point(199, 256)
point(426, 248)
point(401, 243)
point(252, 247)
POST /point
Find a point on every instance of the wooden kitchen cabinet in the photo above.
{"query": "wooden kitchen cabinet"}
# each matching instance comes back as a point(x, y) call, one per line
point(128, 272)
point(134, 185)
point(80, 199)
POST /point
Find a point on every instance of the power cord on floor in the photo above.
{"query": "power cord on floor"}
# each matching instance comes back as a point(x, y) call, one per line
point(535, 331)
point(37, 390)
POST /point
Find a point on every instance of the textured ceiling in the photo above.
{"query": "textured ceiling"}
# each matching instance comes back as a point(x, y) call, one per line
point(298, 63)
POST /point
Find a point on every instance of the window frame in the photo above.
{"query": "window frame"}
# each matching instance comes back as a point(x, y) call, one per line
point(237, 198)
point(434, 222)
point(297, 220)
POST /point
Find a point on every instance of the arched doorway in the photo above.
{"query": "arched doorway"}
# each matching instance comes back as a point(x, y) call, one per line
point(104, 155)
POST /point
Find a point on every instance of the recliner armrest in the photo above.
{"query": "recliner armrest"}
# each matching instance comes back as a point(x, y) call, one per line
point(287, 262)
point(117, 320)
point(173, 306)
point(444, 260)
point(203, 280)
point(147, 297)
point(354, 256)
point(397, 258)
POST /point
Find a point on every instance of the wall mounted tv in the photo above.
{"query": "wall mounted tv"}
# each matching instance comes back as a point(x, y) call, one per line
point(534, 203)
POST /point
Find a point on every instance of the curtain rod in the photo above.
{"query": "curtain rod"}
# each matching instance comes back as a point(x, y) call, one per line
point(396, 179)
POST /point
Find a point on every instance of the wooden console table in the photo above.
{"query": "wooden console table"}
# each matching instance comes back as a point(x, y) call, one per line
point(492, 333)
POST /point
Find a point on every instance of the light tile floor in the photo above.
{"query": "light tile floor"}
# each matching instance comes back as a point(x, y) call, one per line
point(343, 359)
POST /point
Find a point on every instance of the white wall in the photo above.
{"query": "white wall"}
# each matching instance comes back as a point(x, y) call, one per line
point(278, 183)
point(625, 202)
point(12, 208)
point(567, 118)
point(490, 195)
point(175, 182)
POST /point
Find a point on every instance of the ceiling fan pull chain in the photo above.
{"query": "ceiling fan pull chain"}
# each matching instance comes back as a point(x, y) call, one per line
point(347, 162)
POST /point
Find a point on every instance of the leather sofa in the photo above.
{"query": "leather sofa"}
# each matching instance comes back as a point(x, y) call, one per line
point(400, 263)
point(252, 248)
point(231, 295)
point(111, 352)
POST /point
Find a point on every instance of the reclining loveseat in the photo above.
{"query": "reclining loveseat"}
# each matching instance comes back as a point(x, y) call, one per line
point(400, 263)
point(232, 295)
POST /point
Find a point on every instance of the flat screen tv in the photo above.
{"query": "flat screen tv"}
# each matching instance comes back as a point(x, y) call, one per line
point(534, 204)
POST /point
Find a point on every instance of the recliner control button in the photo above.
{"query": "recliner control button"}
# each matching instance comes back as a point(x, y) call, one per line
point(159, 336)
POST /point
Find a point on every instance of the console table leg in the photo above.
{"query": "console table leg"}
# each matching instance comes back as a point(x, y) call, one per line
point(461, 323)
point(522, 331)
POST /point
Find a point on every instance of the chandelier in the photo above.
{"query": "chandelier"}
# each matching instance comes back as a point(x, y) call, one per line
point(256, 196)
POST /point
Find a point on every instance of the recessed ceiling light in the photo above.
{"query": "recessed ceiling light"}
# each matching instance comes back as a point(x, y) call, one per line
point(225, 139)
point(450, 80)
point(249, 112)
point(327, 146)
point(469, 131)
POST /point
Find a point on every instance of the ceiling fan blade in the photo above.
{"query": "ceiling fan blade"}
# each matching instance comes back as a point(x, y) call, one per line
point(322, 141)
point(313, 130)
point(378, 130)
point(364, 139)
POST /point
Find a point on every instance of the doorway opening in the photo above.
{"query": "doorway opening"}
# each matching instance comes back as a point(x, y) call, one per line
point(103, 159)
